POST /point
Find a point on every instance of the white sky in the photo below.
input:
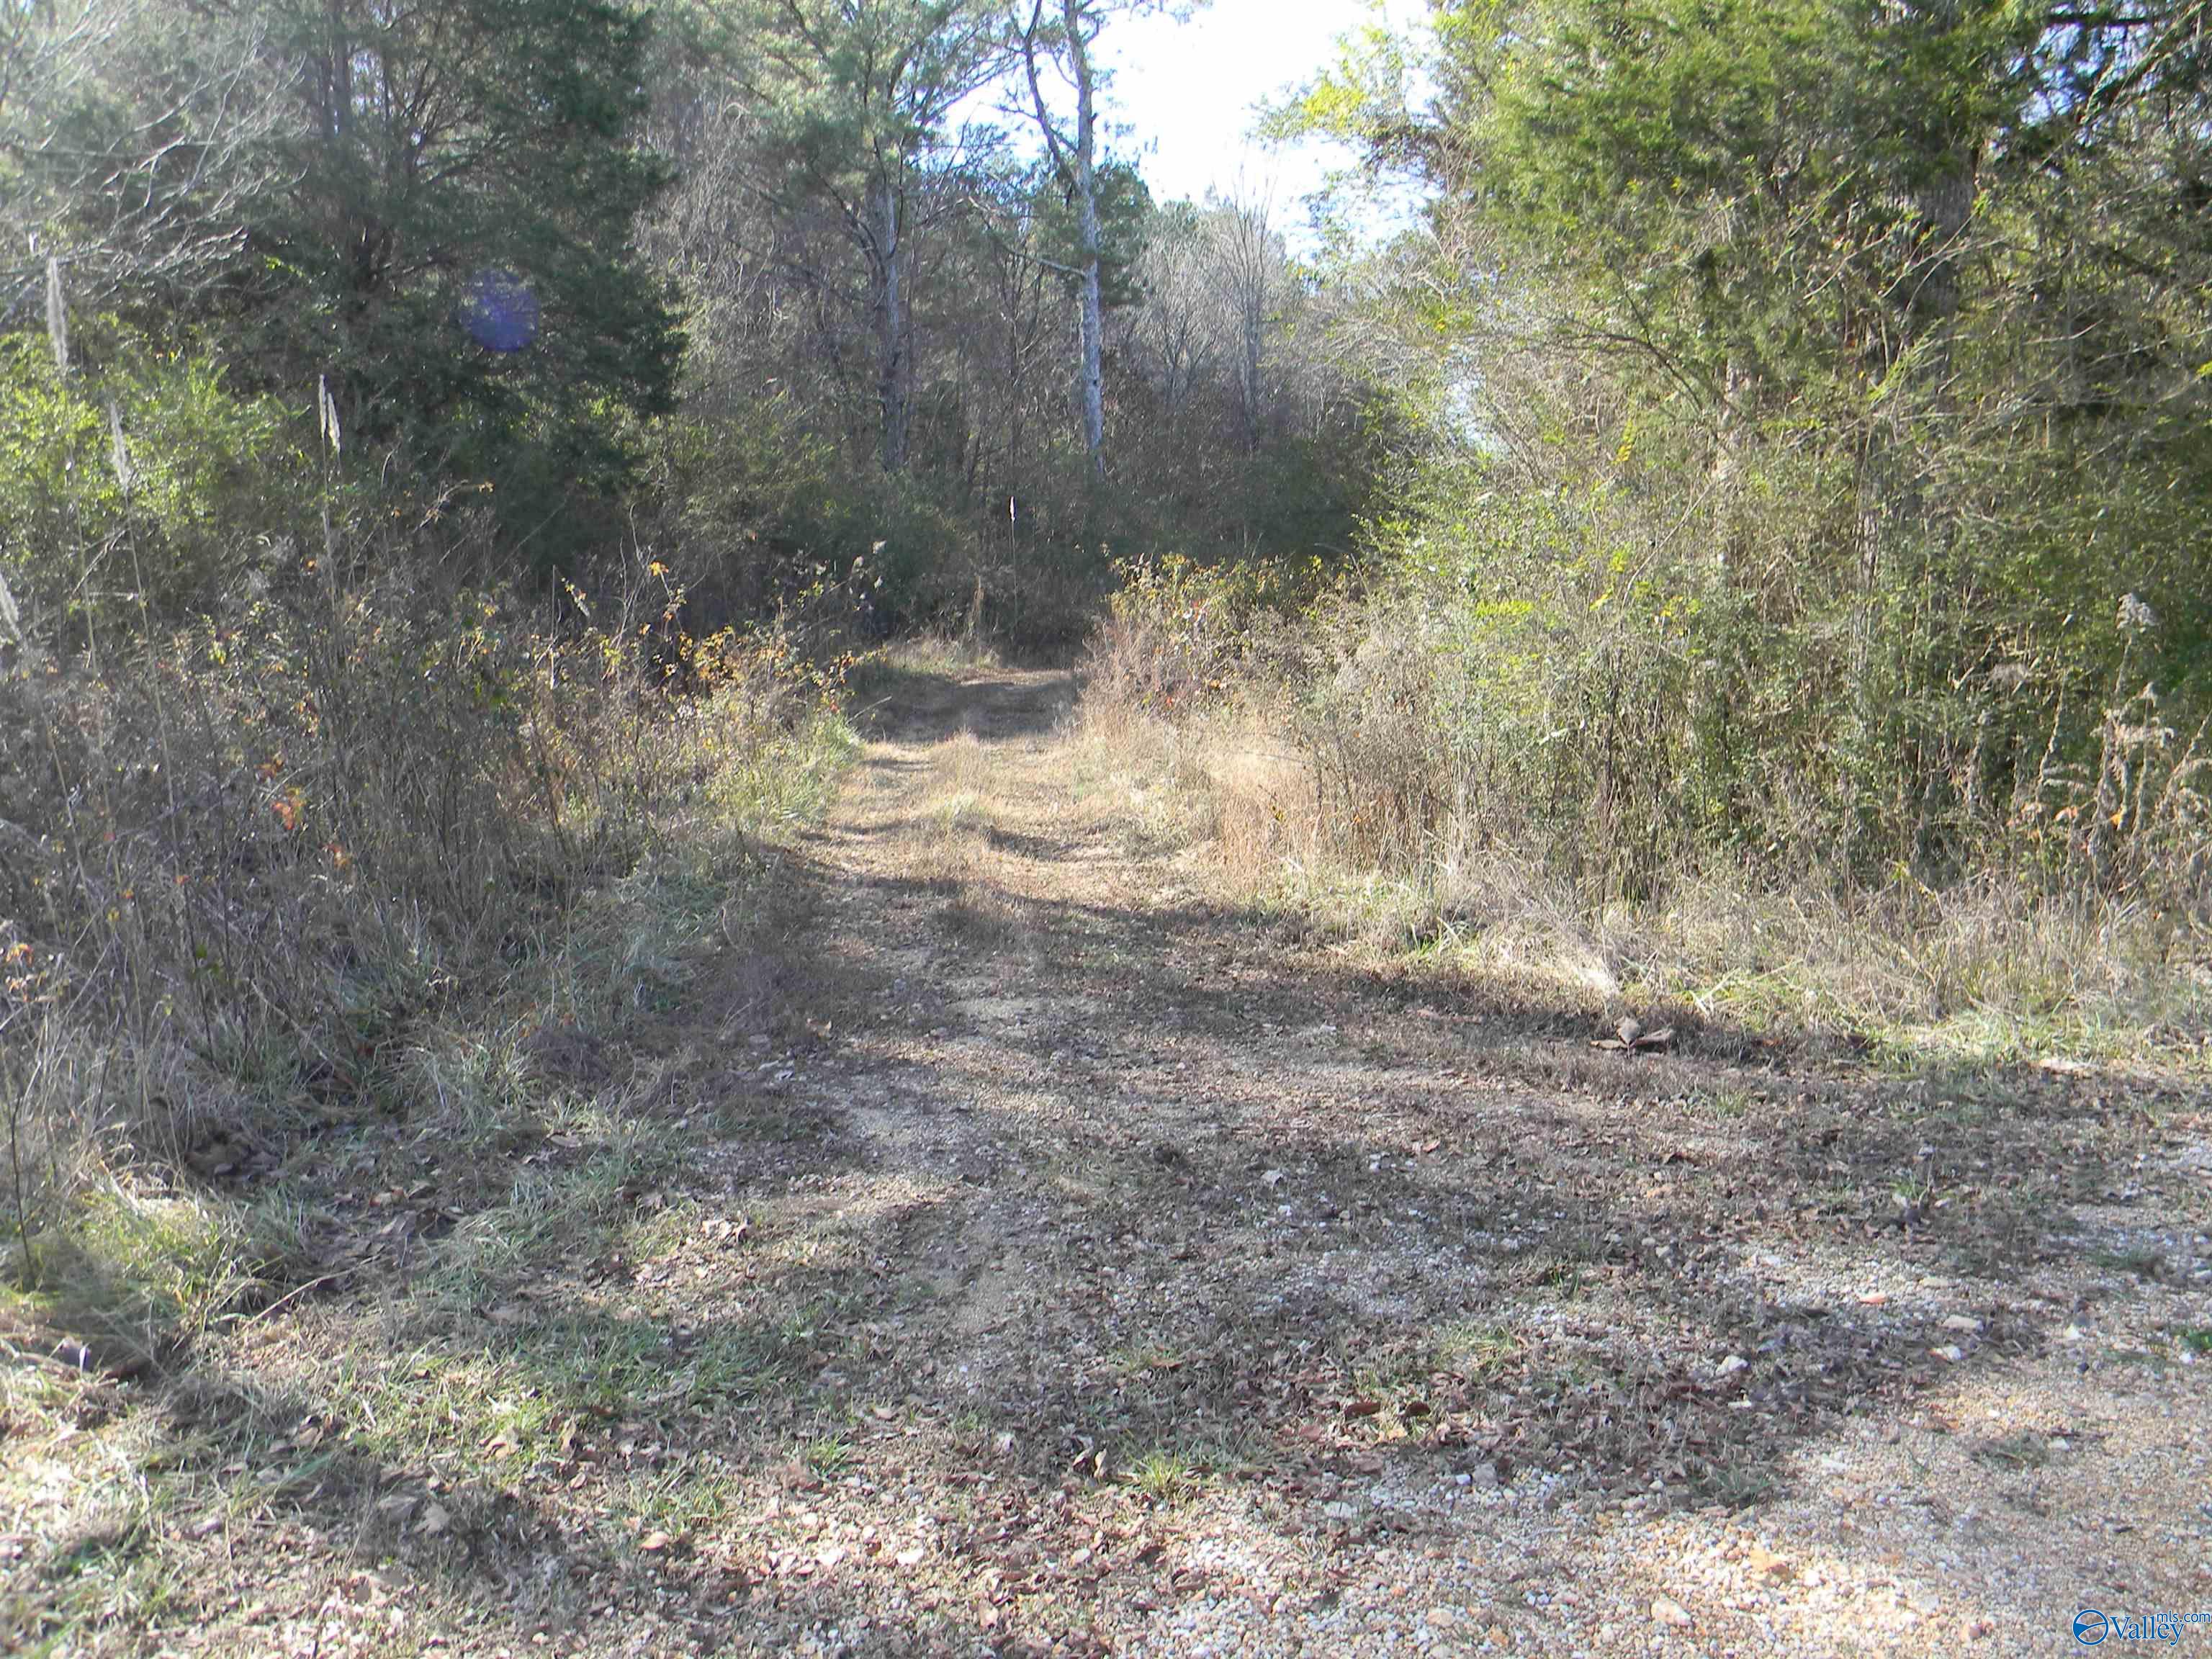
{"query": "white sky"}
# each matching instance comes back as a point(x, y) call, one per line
point(1186, 92)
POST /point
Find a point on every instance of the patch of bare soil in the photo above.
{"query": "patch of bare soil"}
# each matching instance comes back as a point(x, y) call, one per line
point(1076, 1266)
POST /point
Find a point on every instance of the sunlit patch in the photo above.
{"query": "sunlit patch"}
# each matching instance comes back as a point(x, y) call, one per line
point(501, 312)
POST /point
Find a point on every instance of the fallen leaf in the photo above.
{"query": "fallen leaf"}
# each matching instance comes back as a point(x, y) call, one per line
point(1362, 1408)
point(654, 1542)
point(436, 1520)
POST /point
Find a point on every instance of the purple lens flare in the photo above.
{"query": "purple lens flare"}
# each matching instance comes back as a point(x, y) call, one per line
point(501, 312)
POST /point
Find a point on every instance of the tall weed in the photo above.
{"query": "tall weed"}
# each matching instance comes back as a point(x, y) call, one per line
point(247, 862)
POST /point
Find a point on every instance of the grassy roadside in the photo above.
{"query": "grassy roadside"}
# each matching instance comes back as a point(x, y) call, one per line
point(1974, 979)
point(317, 1293)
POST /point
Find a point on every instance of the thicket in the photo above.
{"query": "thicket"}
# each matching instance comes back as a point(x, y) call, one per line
point(1798, 549)
point(255, 862)
point(1818, 468)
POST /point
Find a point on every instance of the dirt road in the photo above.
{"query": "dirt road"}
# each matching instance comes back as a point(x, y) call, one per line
point(981, 1241)
point(1200, 1294)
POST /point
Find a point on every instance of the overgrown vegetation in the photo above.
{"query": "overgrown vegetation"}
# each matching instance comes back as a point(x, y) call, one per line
point(1797, 600)
point(448, 460)
point(1322, 759)
point(257, 866)
point(1738, 558)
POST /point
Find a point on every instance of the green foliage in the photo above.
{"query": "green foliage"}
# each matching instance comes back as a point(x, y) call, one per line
point(848, 93)
point(1127, 217)
point(338, 192)
point(473, 138)
point(203, 482)
point(1823, 479)
point(766, 511)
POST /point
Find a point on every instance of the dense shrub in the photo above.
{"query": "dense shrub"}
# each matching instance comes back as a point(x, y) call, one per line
point(1178, 634)
point(152, 483)
point(1576, 682)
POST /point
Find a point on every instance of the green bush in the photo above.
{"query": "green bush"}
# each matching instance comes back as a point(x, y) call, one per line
point(1581, 668)
point(151, 484)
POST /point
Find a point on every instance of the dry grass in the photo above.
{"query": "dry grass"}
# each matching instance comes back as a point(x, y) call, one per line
point(339, 954)
point(960, 1287)
point(260, 860)
point(1984, 973)
point(945, 656)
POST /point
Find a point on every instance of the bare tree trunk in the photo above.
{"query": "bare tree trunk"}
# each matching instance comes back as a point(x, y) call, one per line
point(1245, 270)
point(894, 379)
point(1091, 381)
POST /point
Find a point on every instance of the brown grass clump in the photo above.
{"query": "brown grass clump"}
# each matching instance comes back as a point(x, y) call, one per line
point(256, 868)
point(1340, 792)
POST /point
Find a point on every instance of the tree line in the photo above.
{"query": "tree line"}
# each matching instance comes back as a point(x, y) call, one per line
point(1783, 427)
point(802, 282)
point(1824, 394)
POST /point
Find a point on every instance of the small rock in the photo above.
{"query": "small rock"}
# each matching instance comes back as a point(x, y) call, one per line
point(1961, 1322)
point(1950, 1353)
point(1665, 1610)
point(1733, 1364)
point(1765, 1564)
